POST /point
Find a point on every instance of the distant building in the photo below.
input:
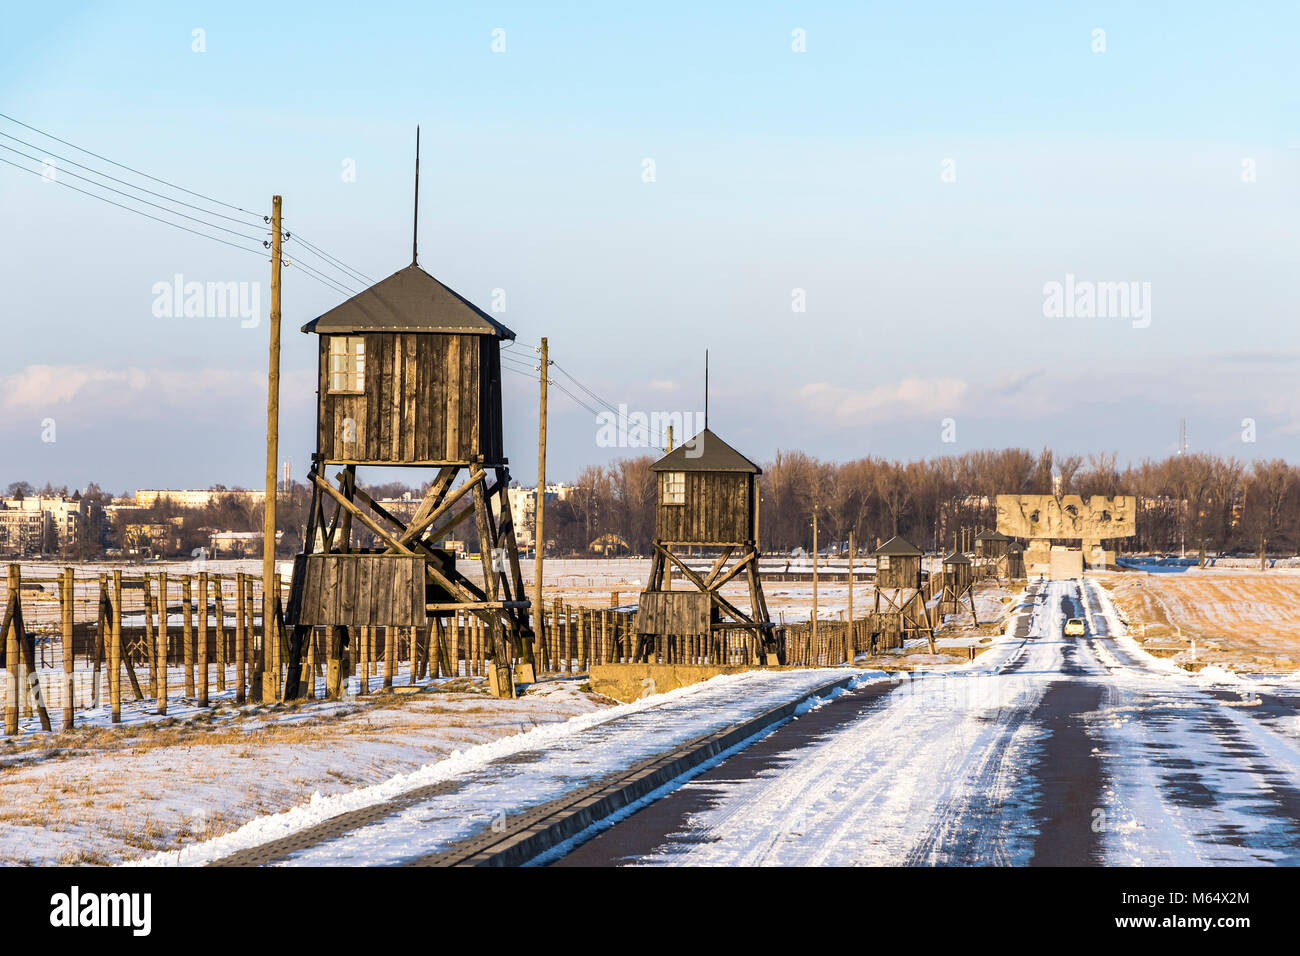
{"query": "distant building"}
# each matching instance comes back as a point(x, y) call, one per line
point(24, 532)
point(195, 498)
point(155, 537)
point(237, 544)
point(47, 524)
point(523, 509)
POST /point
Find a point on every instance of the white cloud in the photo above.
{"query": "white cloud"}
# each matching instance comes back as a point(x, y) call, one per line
point(910, 397)
point(90, 387)
point(664, 385)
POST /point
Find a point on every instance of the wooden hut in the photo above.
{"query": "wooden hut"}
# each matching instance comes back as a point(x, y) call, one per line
point(958, 583)
point(990, 554)
point(991, 544)
point(1015, 561)
point(957, 571)
point(898, 564)
point(900, 608)
point(409, 375)
point(706, 500)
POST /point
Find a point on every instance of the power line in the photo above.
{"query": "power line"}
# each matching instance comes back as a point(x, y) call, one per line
point(518, 366)
point(321, 278)
point(138, 212)
point(129, 185)
point(128, 168)
point(307, 270)
point(594, 396)
point(166, 209)
point(338, 263)
point(333, 261)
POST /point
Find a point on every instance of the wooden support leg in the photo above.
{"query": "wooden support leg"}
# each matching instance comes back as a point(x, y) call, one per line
point(334, 668)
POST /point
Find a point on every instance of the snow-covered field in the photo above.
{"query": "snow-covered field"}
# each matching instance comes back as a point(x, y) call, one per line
point(100, 795)
point(1044, 750)
point(1246, 620)
point(499, 779)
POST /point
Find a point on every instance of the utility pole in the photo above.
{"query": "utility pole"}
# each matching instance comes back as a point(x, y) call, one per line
point(270, 659)
point(814, 608)
point(539, 540)
point(849, 650)
point(668, 570)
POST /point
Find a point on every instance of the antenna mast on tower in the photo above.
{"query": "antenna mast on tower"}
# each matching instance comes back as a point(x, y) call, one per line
point(415, 226)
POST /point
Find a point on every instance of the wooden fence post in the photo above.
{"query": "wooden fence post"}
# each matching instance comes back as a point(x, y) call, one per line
point(67, 595)
point(161, 654)
point(334, 679)
point(12, 655)
point(115, 651)
point(241, 634)
point(390, 652)
point(363, 660)
point(220, 634)
point(309, 679)
point(187, 633)
point(101, 643)
point(203, 639)
point(455, 643)
point(150, 654)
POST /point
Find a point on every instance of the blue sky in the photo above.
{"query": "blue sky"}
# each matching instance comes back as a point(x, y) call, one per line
point(775, 171)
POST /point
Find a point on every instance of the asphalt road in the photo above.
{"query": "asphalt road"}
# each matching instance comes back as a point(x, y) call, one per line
point(1051, 751)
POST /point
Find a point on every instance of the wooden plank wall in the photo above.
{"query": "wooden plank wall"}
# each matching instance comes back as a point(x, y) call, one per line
point(673, 612)
point(428, 397)
point(904, 571)
point(717, 509)
point(359, 590)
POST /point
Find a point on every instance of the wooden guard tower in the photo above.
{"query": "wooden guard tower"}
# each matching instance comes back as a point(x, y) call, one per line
point(990, 553)
point(958, 582)
point(707, 499)
point(900, 605)
point(409, 376)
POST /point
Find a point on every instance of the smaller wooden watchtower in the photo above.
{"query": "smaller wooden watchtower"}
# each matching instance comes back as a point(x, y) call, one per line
point(990, 554)
point(898, 565)
point(900, 607)
point(1015, 561)
point(958, 583)
point(707, 499)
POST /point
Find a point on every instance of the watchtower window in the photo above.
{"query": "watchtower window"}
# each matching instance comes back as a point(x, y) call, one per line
point(347, 363)
point(673, 487)
point(882, 563)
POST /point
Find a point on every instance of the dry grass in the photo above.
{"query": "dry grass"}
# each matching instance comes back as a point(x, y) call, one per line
point(1244, 620)
point(96, 796)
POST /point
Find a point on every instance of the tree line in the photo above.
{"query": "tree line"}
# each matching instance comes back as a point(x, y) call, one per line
point(1189, 502)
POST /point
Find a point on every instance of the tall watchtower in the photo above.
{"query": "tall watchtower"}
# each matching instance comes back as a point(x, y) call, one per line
point(707, 499)
point(409, 376)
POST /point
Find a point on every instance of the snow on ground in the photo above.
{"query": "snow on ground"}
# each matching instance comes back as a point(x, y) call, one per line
point(1234, 619)
point(874, 792)
point(509, 775)
point(1195, 777)
point(100, 795)
point(955, 767)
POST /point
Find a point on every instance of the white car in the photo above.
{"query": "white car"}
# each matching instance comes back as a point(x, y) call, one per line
point(1075, 627)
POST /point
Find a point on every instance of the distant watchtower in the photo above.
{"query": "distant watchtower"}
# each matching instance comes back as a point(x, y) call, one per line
point(707, 498)
point(900, 608)
point(898, 564)
point(409, 376)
